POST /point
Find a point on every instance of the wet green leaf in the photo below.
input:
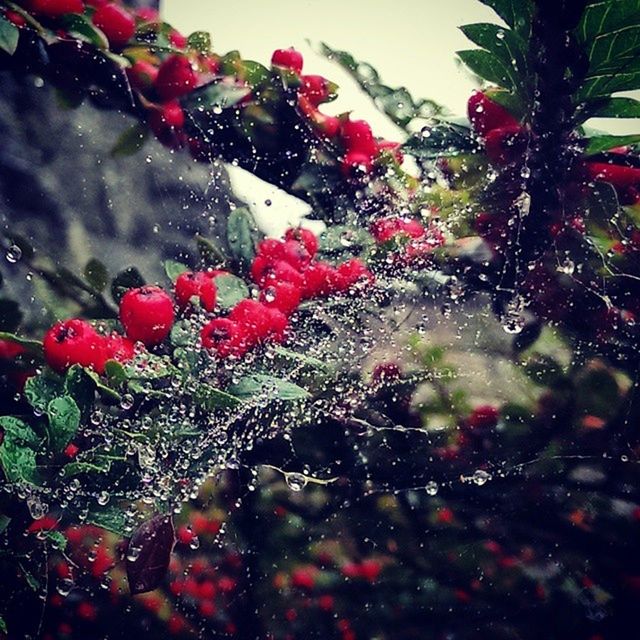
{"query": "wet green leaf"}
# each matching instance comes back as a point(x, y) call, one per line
point(64, 420)
point(9, 36)
point(173, 269)
point(130, 141)
point(242, 235)
point(230, 290)
point(96, 274)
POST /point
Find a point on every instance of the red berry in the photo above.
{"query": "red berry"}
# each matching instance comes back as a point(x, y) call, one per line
point(119, 348)
point(288, 58)
point(370, 570)
point(225, 337)
point(147, 314)
point(384, 229)
point(175, 78)
point(147, 14)
point(10, 350)
point(623, 179)
point(505, 144)
point(486, 115)
point(278, 325)
point(315, 89)
point(199, 285)
point(295, 254)
point(74, 342)
point(253, 316)
point(269, 248)
point(304, 578)
point(87, 611)
point(142, 75)
point(386, 372)
point(265, 272)
point(483, 417)
point(357, 136)
point(352, 272)
point(56, 8)
point(283, 296)
point(306, 237)
point(356, 163)
point(320, 279)
point(166, 122)
point(71, 450)
point(15, 18)
point(178, 40)
point(116, 23)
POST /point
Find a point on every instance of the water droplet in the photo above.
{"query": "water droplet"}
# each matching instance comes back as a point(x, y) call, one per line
point(14, 253)
point(431, 488)
point(480, 477)
point(64, 586)
point(295, 481)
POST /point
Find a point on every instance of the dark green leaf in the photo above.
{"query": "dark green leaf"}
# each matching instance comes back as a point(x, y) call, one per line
point(616, 108)
point(316, 178)
point(18, 462)
point(505, 45)
point(130, 141)
point(215, 96)
point(200, 41)
point(128, 279)
point(27, 343)
point(544, 370)
point(97, 465)
point(516, 13)
point(598, 144)
point(442, 139)
point(9, 36)
point(210, 398)
point(64, 420)
point(80, 386)
point(230, 290)
point(173, 269)
point(80, 26)
point(242, 235)
point(315, 363)
point(10, 315)
point(255, 73)
point(3, 625)
point(96, 274)
point(489, 67)
point(273, 388)
point(40, 390)
point(4, 523)
point(210, 253)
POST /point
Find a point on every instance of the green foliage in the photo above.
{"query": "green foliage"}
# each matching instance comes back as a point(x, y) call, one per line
point(64, 420)
point(263, 384)
point(598, 144)
point(230, 290)
point(173, 269)
point(130, 141)
point(80, 27)
point(443, 139)
point(96, 274)
point(242, 235)
point(128, 279)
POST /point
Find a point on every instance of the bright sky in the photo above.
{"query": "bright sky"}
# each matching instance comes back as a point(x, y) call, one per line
point(411, 43)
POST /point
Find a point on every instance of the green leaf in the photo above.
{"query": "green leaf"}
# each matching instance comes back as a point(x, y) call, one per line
point(274, 388)
point(504, 44)
point(115, 372)
point(301, 357)
point(9, 36)
point(4, 523)
point(130, 141)
point(609, 32)
point(57, 540)
point(173, 269)
point(516, 13)
point(80, 26)
point(64, 420)
point(79, 385)
point(3, 625)
point(598, 144)
point(489, 67)
point(616, 108)
point(242, 235)
point(210, 398)
point(97, 465)
point(339, 239)
point(27, 343)
point(19, 432)
point(254, 73)
point(110, 518)
point(96, 274)
point(104, 390)
point(443, 139)
point(200, 41)
point(18, 462)
point(230, 290)
point(40, 390)
point(210, 253)
point(10, 315)
point(215, 96)
point(128, 279)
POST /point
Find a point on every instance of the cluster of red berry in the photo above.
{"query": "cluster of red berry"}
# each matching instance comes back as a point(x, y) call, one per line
point(284, 270)
point(355, 136)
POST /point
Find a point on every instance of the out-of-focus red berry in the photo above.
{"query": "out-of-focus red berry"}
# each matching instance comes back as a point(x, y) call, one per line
point(288, 58)
point(283, 296)
point(486, 115)
point(55, 8)
point(176, 78)
point(305, 236)
point(116, 23)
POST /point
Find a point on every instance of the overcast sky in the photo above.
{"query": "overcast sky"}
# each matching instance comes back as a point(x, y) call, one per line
point(411, 43)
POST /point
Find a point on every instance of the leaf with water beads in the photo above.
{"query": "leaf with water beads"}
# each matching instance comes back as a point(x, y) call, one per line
point(148, 554)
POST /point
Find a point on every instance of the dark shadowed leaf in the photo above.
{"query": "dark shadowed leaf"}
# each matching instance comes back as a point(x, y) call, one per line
point(242, 235)
point(10, 315)
point(148, 554)
point(442, 139)
point(130, 141)
point(96, 274)
point(125, 280)
point(616, 108)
